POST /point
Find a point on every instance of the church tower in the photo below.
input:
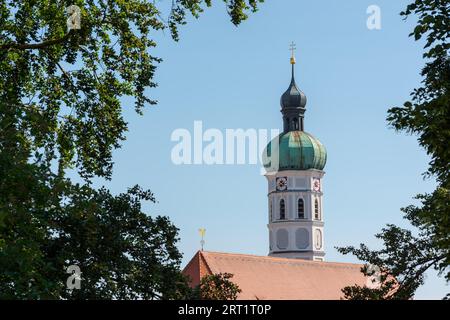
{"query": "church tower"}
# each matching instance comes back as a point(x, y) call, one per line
point(294, 163)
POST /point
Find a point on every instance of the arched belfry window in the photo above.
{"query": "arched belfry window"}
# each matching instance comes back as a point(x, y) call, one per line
point(282, 210)
point(301, 209)
point(316, 209)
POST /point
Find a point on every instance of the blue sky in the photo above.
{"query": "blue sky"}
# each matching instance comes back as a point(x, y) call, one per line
point(232, 77)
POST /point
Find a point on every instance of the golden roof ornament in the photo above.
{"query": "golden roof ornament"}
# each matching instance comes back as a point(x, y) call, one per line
point(292, 48)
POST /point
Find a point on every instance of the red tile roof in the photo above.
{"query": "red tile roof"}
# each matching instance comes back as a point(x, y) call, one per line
point(261, 277)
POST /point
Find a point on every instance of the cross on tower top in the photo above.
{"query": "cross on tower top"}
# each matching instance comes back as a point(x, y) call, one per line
point(292, 48)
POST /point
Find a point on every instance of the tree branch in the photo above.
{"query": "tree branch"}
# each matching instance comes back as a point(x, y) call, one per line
point(41, 45)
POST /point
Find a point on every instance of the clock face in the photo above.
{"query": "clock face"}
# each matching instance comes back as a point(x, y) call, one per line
point(281, 183)
point(316, 184)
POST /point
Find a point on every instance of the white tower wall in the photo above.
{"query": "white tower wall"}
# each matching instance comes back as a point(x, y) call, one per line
point(295, 236)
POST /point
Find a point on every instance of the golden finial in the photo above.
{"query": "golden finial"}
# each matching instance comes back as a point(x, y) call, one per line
point(202, 231)
point(292, 48)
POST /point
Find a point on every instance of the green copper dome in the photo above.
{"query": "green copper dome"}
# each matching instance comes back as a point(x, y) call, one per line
point(298, 150)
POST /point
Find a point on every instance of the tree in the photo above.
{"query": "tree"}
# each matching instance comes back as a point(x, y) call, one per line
point(66, 85)
point(122, 253)
point(216, 287)
point(60, 110)
point(406, 257)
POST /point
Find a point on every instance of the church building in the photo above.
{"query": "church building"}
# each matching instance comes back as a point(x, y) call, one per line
point(295, 267)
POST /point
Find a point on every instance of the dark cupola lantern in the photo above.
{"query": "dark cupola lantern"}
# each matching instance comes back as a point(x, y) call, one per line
point(293, 103)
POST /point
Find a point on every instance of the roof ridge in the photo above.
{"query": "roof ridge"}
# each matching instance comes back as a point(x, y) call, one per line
point(323, 263)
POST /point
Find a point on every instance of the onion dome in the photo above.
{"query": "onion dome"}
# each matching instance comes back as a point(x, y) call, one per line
point(296, 150)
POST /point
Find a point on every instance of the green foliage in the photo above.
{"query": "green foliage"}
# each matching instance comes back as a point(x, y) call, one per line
point(428, 114)
point(60, 110)
point(405, 257)
point(402, 262)
point(23, 203)
point(122, 252)
point(68, 92)
point(216, 287)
